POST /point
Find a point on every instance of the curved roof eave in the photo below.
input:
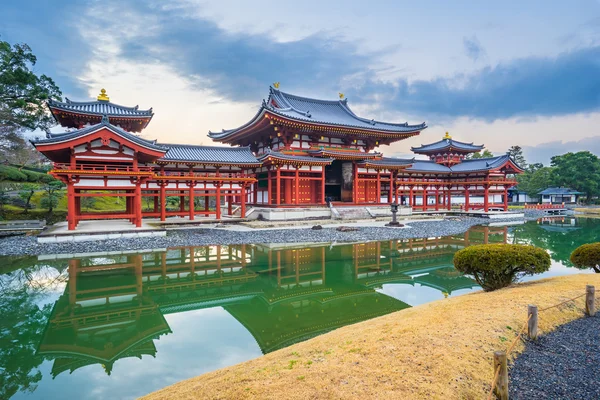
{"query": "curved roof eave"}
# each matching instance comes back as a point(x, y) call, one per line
point(67, 136)
point(70, 106)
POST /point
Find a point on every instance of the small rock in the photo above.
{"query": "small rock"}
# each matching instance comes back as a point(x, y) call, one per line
point(346, 229)
point(317, 227)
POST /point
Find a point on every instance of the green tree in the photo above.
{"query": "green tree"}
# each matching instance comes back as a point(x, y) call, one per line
point(22, 92)
point(87, 202)
point(26, 193)
point(495, 266)
point(485, 154)
point(535, 179)
point(579, 171)
point(587, 256)
point(516, 153)
point(51, 195)
point(3, 198)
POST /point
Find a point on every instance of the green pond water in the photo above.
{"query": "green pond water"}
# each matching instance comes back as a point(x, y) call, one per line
point(118, 326)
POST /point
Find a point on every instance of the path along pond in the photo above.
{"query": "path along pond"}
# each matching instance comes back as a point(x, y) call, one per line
point(122, 325)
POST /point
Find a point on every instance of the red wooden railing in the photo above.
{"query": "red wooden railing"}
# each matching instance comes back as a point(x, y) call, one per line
point(545, 206)
point(203, 174)
point(102, 168)
point(481, 206)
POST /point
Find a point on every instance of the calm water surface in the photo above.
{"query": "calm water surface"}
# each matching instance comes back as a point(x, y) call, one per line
point(120, 326)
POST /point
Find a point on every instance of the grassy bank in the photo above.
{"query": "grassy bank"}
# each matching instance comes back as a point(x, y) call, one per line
point(438, 350)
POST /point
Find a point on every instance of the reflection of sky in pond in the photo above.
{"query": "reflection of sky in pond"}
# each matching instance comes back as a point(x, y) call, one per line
point(267, 300)
point(203, 341)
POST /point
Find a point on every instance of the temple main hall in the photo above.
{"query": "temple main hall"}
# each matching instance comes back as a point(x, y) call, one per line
point(296, 153)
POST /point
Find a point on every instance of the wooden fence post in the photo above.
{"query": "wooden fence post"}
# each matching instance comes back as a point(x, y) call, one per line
point(590, 304)
point(501, 388)
point(532, 324)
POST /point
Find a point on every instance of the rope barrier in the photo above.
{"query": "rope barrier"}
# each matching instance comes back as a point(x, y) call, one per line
point(494, 383)
point(511, 347)
point(559, 304)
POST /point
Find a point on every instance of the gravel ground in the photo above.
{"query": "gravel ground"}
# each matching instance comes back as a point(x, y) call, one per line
point(28, 245)
point(564, 364)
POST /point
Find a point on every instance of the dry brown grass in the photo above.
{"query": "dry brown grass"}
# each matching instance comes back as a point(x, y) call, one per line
point(437, 350)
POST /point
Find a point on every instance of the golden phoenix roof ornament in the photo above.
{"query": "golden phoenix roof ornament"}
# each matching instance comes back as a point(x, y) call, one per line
point(276, 85)
point(341, 96)
point(102, 96)
point(447, 136)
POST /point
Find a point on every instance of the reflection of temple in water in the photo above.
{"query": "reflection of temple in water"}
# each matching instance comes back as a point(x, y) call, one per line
point(114, 306)
point(558, 224)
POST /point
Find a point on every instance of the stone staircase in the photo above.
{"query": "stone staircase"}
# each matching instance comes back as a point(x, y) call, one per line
point(353, 213)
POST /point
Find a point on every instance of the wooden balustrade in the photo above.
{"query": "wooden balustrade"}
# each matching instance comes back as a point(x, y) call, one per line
point(544, 206)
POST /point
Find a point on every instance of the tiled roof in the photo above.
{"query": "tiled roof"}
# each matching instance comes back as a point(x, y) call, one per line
point(446, 144)
point(481, 164)
point(387, 161)
point(334, 152)
point(291, 157)
point(559, 191)
point(428, 166)
point(209, 154)
point(99, 107)
point(62, 137)
point(328, 112)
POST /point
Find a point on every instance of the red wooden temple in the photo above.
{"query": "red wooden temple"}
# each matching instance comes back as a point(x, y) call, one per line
point(295, 152)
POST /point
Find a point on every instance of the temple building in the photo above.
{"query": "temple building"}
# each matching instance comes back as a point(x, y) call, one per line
point(295, 153)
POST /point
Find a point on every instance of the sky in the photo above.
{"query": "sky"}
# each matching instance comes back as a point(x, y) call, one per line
point(499, 74)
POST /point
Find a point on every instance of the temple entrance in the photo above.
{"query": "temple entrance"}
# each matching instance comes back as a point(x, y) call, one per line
point(338, 181)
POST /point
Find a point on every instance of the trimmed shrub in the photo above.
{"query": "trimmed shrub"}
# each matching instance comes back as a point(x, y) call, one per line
point(11, 174)
point(587, 256)
point(495, 266)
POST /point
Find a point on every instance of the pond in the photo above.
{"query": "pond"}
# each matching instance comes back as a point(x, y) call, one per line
point(122, 325)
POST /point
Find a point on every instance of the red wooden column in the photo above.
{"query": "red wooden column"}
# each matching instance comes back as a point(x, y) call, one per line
point(163, 201)
point(467, 195)
point(355, 184)
point(410, 195)
point(243, 205)
point(192, 207)
point(391, 192)
point(218, 201)
point(297, 185)
point(449, 198)
point(378, 188)
point(437, 198)
point(424, 198)
point(255, 192)
point(505, 198)
point(278, 186)
point(486, 195)
point(323, 184)
point(206, 203)
point(229, 200)
point(137, 204)
point(181, 203)
point(269, 187)
point(71, 222)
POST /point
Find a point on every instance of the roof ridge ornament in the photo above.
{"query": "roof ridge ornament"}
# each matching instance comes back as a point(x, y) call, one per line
point(447, 136)
point(103, 96)
point(276, 85)
point(341, 96)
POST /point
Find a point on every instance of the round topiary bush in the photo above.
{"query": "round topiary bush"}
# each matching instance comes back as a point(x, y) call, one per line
point(587, 256)
point(495, 266)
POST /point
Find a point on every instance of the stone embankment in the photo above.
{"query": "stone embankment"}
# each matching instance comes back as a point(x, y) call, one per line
point(28, 245)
